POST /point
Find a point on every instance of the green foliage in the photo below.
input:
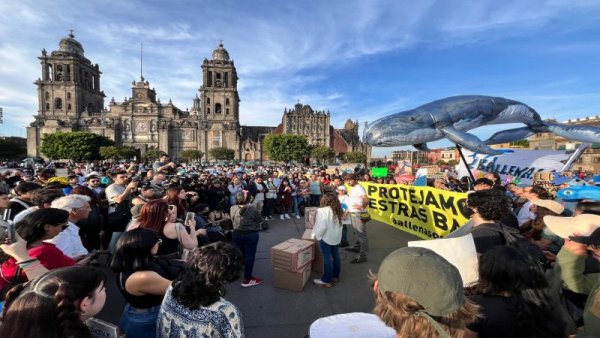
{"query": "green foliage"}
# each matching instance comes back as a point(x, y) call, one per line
point(452, 162)
point(10, 148)
point(77, 146)
point(282, 147)
point(191, 155)
point(355, 157)
point(118, 152)
point(222, 154)
point(322, 153)
point(153, 154)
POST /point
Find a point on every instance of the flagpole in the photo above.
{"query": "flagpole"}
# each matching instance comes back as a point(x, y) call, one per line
point(462, 156)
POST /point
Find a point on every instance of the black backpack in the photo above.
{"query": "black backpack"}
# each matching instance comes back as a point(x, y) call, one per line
point(513, 238)
point(118, 220)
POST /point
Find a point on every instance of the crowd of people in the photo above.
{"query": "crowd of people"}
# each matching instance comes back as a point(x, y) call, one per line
point(175, 236)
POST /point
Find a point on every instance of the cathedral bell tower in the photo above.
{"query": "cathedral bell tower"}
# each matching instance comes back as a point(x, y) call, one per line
point(70, 83)
point(219, 101)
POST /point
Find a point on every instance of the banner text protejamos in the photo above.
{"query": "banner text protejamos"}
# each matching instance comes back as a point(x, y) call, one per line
point(422, 211)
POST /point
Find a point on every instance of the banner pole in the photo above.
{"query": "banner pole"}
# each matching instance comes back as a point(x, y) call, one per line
point(575, 156)
point(462, 156)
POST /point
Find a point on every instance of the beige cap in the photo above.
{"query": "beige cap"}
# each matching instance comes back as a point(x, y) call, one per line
point(583, 225)
point(550, 205)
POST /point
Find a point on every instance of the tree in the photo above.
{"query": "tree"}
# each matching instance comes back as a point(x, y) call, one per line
point(222, 154)
point(118, 152)
point(153, 154)
point(452, 163)
point(282, 147)
point(191, 155)
point(77, 146)
point(11, 148)
point(522, 143)
point(323, 153)
point(356, 157)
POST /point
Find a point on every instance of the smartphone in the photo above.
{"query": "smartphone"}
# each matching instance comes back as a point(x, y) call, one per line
point(189, 216)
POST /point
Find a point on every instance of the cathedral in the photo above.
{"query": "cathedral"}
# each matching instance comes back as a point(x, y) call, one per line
point(71, 99)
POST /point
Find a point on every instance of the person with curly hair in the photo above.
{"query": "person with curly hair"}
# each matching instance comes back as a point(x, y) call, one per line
point(328, 231)
point(489, 207)
point(194, 305)
point(54, 305)
point(514, 297)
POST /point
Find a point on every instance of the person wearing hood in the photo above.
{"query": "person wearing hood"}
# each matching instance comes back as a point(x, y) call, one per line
point(246, 226)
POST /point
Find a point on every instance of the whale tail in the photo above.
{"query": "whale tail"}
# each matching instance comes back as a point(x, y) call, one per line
point(576, 132)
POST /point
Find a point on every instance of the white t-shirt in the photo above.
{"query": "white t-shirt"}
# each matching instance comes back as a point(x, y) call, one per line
point(344, 202)
point(69, 242)
point(356, 197)
point(351, 325)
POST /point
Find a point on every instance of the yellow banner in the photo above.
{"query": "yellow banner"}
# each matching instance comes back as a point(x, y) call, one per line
point(422, 211)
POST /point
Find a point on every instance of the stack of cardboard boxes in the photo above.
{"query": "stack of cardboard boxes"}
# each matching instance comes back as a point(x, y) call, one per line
point(295, 259)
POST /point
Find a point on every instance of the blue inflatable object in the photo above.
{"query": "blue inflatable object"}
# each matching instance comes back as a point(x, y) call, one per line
point(585, 192)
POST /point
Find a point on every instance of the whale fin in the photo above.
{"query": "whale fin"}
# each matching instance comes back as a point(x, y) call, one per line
point(468, 141)
point(576, 132)
point(509, 135)
point(421, 146)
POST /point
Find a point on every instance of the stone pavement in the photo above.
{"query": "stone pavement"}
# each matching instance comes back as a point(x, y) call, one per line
point(270, 312)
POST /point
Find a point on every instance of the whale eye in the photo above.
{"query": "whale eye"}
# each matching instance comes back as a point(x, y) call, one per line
point(568, 192)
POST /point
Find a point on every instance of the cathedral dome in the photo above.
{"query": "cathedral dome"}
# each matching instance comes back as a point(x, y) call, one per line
point(70, 45)
point(220, 53)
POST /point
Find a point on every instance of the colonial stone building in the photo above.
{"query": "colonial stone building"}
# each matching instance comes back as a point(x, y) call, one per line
point(589, 160)
point(315, 125)
point(70, 99)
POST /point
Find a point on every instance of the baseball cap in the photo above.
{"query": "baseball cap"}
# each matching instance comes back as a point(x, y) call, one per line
point(593, 239)
point(426, 277)
point(564, 227)
point(550, 205)
point(341, 188)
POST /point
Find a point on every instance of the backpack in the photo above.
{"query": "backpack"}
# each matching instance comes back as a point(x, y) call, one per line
point(513, 238)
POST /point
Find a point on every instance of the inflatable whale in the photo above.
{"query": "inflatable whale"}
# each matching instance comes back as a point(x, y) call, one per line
point(584, 192)
point(451, 117)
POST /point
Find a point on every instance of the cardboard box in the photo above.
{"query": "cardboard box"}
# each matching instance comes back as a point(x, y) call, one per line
point(310, 216)
point(292, 255)
point(317, 263)
point(289, 280)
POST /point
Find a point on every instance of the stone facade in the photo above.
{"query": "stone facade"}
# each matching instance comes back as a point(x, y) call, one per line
point(70, 99)
point(589, 160)
point(315, 125)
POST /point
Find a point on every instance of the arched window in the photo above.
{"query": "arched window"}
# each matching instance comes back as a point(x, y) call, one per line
point(58, 103)
point(59, 73)
point(208, 110)
point(209, 79)
point(49, 73)
point(69, 106)
point(227, 111)
point(47, 106)
point(208, 100)
point(68, 96)
point(218, 108)
point(226, 102)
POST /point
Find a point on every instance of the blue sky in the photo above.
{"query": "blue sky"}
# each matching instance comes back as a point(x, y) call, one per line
point(358, 59)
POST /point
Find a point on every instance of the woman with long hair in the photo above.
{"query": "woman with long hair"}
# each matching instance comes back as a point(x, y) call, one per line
point(246, 226)
point(55, 304)
point(161, 217)
point(328, 231)
point(195, 303)
point(141, 281)
point(176, 196)
point(36, 228)
point(512, 292)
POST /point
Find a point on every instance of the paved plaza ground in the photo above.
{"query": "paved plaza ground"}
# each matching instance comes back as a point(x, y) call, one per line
point(270, 312)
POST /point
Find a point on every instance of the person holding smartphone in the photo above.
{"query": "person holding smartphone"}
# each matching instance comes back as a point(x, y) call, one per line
point(161, 217)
